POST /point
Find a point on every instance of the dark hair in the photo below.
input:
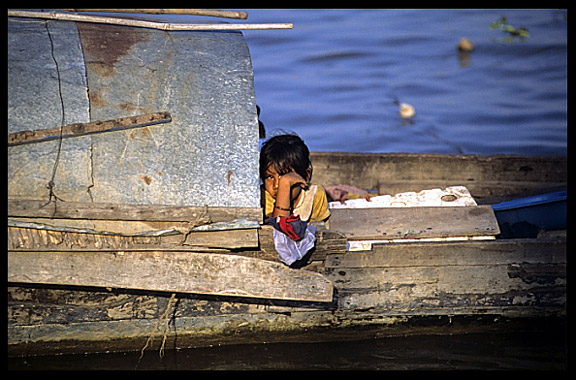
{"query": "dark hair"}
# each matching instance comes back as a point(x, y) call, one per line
point(286, 153)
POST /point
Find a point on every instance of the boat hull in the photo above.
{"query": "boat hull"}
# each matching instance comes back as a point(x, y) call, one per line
point(392, 288)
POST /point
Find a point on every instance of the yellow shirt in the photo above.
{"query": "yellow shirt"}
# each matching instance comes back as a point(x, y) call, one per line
point(312, 206)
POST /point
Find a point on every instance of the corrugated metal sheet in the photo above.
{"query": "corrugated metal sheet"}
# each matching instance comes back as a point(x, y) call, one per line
point(207, 155)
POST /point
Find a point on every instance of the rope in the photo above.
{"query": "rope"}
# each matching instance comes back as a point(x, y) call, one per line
point(163, 318)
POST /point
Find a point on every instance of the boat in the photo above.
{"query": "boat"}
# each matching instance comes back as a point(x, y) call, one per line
point(392, 288)
point(117, 258)
point(525, 217)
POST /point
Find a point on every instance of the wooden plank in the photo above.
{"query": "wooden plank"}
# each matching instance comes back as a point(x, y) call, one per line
point(495, 252)
point(81, 129)
point(100, 227)
point(482, 175)
point(43, 234)
point(35, 208)
point(255, 242)
point(230, 239)
point(182, 272)
point(471, 287)
point(238, 242)
point(414, 222)
point(469, 276)
point(431, 281)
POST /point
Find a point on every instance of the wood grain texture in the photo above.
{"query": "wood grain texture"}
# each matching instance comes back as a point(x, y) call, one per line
point(182, 272)
point(35, 208)
point(414, 222)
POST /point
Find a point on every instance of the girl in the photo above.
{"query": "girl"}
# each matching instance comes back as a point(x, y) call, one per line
point(285, 170)
point(290, 201)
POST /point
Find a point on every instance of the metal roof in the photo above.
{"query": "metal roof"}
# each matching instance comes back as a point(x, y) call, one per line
point(207, 154)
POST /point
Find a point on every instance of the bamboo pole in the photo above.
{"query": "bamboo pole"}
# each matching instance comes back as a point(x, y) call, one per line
point(171, 11)
point(142, 23)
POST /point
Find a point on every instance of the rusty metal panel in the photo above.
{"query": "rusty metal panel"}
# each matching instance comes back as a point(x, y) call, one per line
point(34, 103)
point(207, 155)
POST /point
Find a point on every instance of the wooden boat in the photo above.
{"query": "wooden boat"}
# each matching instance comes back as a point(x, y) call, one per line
point(127, 262)
point(392, 288)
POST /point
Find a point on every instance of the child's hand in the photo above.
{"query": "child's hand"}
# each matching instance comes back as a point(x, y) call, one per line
point(292, 179)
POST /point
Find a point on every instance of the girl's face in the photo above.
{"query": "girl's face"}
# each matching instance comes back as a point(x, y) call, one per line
point(271, 181)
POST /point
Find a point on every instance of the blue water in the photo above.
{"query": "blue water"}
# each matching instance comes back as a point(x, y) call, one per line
point(336, 79)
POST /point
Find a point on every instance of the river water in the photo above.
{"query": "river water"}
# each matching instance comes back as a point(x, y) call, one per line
point(542, 347)
point(337, 77)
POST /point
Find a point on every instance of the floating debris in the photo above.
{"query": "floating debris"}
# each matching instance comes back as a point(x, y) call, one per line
point(465, 45)
point(407, 111)
point(503, 25)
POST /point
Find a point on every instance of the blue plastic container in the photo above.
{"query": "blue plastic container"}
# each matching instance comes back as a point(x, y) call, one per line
point(544, 212)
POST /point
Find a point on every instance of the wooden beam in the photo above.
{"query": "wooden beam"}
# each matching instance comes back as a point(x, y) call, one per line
point(180, 272)
point(35, 208)
point(473, 253)
point(450, 290)
point(51, 239)
point(484, 176)
point(414, 222)
point(80, 129)
point(135, 236)
point(469, 277)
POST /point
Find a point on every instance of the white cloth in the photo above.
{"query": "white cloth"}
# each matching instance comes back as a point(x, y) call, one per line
point(289, 250)
point(304, 207)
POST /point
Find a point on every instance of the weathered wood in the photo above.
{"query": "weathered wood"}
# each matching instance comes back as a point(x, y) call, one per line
point(208, 323)
point(49, 240)
point(81, 129)
point(239, 242)
point(494, 252)
point(413, 222)
point(484, 176)
point(181, 272)
point(65, 319)
point(257, 243)
point(468, 276)
point(444, 288)
point(390, 286)
point(34, 208)
point(101, 227)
